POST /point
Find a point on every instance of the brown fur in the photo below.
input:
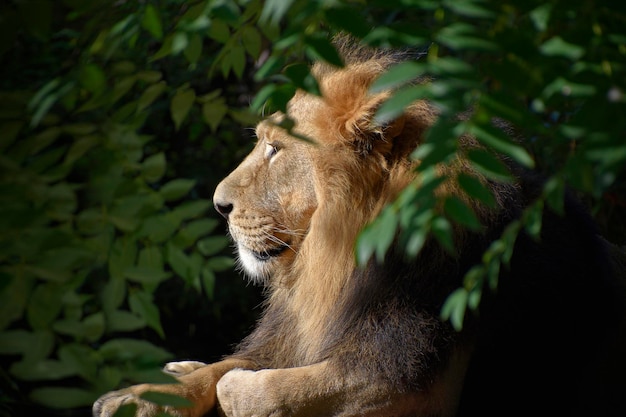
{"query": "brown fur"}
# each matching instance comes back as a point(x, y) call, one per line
point(337, 340)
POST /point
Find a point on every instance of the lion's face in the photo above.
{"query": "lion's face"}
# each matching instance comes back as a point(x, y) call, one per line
point(268, 201)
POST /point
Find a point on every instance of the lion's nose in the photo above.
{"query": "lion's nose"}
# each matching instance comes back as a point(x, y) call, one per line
point(224, 208)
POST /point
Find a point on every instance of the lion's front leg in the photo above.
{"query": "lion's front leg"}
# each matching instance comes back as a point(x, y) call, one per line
point(315, 390)
point(197, 385)
point(322, 390)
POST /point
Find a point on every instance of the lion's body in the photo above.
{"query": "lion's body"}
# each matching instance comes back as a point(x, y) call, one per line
point(339, 340)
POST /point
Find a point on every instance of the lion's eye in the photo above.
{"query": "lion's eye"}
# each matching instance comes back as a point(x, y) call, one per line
point(270, 150)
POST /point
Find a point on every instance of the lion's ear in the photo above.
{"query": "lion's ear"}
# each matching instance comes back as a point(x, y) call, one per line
point(370, 135)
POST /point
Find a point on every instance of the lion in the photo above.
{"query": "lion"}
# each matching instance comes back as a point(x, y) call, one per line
point(339, 339)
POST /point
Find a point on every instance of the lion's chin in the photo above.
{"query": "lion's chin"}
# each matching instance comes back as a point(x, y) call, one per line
point(259, 265)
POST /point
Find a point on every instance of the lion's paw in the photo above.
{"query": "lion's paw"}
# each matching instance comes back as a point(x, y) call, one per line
point(182, 367)
point(108, 404)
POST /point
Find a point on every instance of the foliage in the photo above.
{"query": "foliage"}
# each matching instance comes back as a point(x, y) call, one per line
point(106, 107)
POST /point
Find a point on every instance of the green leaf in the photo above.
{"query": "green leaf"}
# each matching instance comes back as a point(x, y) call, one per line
point(386, 226)
point(63, 398)
point(349, 20)
point(476, 189)
point(220, 263)
point(176, 189)
point(121, 349)
point(271, 66)
point(557, 47)
point(124, 321)
point(165, 399)
point(442, 230)
point(126, 410)
point(237, 57)
point(400, 100)
point(274, 10)
point(458, 211)
point(397, 76)
point(541, 16)
point(211, 245)
point(219, 31)
point(152, 22)
point(181, 104)
point(300, 76)
point(141, 303)
point(150, 94)
point(153, 167)
point(180, 40)
point(489, 165)
point(320, 48)
point(213, 112)
point(44, 305)
point(469, 8)
point(497, 140)
point(93, 78)
point(190, 209)
point(146, 274)
point(208, 282)
point(81, 358)
point(114, 293)
point(533, 216)
point(454, 308)
point(193, 51)
point(251, 39)
point(42, 370)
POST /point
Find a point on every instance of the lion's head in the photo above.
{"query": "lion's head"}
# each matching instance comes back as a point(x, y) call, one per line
point(293, 199)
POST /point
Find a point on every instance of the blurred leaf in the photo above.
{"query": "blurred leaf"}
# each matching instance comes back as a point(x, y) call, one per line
point(176, 189)
point(220, 263)
point(469, 8)
point(454, 308)
point(62, 398)
point(302, 78)
point(193, 50)
point(489, 165)
point(208, 282)
point(150, 94)
point(496, 139)
point(126, 410)
point(121, 349)
point(213, 112)
point(44, 305)
point(442, 230)
point(395, 105)
point(458, 211)
point(124, 321)
point(152, 22)
point(145, 274)
point(541, 16)
point(212, 245)
point(397, 76)
point(349, 20)
point(93, 78)
point(153, 167)
point(556, 46)
point(41, 370)
point(141, 303)
point(274, 10)
point(476, 189)
point(165, 399)
point(251, 39)
point(319, 47)
point(181, 104)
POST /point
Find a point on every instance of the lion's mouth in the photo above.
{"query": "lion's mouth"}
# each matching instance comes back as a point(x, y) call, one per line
point(266, 255)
